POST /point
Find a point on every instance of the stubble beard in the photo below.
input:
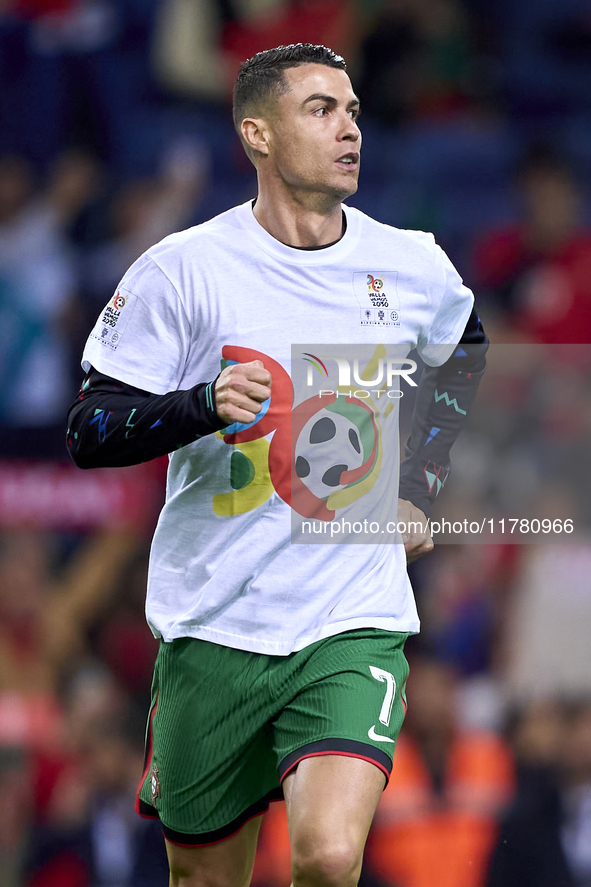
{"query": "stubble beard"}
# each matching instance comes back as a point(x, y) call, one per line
point(323, 195)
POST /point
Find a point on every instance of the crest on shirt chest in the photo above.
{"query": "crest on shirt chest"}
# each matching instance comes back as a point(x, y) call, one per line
point(377, 295)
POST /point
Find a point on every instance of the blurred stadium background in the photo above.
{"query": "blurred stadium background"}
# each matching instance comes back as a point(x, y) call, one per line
point(115, 130)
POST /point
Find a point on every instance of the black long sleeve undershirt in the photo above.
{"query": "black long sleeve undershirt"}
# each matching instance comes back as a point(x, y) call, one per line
point(444, 396)
point(114, 424)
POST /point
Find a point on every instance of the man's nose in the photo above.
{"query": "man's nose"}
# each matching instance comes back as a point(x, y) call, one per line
point(350, 131)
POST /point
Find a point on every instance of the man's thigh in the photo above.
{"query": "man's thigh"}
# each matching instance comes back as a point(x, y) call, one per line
point(227, 863)
point(210, 764)
point(335, 739)
point(331, 801)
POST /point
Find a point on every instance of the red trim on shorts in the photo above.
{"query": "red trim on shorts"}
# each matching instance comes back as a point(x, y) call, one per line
point(343, 754)
point(140, 808)
point(149, 752)
point(349, 748)
point(403, 696)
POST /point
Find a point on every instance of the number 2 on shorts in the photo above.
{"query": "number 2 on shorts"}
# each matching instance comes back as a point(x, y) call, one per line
point(386, 710)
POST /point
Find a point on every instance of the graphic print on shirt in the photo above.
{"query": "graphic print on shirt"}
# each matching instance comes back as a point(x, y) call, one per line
point(251, 476)
point(325, 453)
point(377, 294)
point(114, 319)
point(335, 445)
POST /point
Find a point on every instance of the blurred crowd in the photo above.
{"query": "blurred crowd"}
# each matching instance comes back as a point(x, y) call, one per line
point(114, 131)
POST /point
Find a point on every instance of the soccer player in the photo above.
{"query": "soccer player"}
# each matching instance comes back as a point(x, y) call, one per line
point(281, 668)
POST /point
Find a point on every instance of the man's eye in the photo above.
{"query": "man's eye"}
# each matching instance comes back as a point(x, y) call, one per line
point(354, 113)
point(321, 112)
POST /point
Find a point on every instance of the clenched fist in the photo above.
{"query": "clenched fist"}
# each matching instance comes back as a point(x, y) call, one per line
point(240, 389)
point(417, 538)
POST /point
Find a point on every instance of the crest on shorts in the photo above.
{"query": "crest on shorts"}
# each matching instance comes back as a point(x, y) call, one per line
point(154, 783)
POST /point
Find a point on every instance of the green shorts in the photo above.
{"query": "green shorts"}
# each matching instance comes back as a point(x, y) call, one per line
point(226, 726)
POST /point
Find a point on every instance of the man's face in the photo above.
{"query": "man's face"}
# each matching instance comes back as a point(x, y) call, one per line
point(314, 140)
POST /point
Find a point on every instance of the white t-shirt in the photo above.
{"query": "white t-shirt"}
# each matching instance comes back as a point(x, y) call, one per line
point(223, 567)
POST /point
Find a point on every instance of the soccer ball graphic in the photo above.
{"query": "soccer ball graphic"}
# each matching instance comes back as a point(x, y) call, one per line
point(328, 445)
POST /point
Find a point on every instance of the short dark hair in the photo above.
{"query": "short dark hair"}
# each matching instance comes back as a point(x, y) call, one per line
point(261, 77)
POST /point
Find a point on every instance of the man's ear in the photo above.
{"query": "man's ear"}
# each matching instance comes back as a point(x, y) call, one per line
point(255, 134)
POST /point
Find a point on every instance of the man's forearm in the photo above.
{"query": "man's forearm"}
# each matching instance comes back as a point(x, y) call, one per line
point(114, 424)
point(444, 397)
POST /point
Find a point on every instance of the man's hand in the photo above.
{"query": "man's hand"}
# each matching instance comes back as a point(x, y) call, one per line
point(417, 538)
point(240, 389)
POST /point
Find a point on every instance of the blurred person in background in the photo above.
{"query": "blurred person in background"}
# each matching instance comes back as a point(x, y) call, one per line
point(83, 831)
point(15, 788)
point(537, 273)
point(539, 660)
point(37, 300)
point(44, 617)
point(545, 839)
point(416, 61)
point(74, 72)
point(436, 822)
point(120, 638)
point(251, 26)
point(142, 212)
point(461, 593)
point(198, 47)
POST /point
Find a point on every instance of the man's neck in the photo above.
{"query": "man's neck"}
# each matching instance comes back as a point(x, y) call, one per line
point(297, 224)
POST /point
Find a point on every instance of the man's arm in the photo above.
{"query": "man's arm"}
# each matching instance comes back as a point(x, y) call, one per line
point(444, 397)
point(112, 423)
